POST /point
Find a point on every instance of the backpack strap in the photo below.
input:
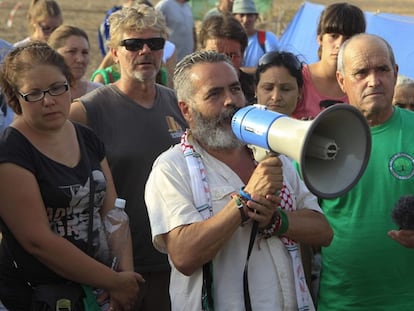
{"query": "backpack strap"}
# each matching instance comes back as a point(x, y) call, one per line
point(106, 75)
point(261, 36)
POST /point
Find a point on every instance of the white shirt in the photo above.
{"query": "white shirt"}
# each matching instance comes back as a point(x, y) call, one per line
point(170, 204)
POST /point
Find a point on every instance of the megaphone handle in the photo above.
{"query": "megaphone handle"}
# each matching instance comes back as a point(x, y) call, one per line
point(260, 153)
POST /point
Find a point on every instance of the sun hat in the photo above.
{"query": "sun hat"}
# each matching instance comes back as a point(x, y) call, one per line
point(244, 7)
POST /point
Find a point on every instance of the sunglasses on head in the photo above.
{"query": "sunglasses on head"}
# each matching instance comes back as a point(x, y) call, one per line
point(285, 58)
point(154, 44)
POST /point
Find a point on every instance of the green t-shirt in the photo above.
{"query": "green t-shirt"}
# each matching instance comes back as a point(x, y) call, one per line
point(363, 268)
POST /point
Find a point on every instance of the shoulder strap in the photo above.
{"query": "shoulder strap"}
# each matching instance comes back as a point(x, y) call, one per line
point(107, 76)
point(261, 36)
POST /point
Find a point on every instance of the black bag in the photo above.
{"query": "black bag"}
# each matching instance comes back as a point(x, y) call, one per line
point(58, 297)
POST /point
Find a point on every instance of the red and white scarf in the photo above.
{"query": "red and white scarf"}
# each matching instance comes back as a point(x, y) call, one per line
point(203, 203)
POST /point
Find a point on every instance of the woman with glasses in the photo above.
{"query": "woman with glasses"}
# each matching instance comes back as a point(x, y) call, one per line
point(338, 22)
point(43, 17)
point(49, 170)
point(279, 81)
point(73, 44)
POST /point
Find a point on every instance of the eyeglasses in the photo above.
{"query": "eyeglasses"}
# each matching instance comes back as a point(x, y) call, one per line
point(286, 59)
point(46, 29)
point(38, 95)
point(155, 44)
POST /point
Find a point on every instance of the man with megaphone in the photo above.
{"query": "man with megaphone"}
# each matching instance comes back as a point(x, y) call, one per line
point(231, 226)
point(363, 269)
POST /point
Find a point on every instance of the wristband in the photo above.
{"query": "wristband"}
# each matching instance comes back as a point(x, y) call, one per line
point(284, 222)
point(245, 195)
point(240, 206)
point(277, 226)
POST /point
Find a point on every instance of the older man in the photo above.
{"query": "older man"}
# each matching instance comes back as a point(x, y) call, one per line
point(364, 269)
point(207, 196)
point(137, 119)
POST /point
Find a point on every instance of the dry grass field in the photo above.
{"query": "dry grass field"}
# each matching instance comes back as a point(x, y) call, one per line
point(88, 14)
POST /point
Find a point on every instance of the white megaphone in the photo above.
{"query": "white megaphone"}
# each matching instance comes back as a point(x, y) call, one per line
point(332, 150)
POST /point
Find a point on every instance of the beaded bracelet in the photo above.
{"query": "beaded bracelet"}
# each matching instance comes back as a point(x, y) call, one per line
point(273, 226)
point(279, 224)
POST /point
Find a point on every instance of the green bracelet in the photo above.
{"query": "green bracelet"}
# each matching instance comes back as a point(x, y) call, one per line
point(284, 222)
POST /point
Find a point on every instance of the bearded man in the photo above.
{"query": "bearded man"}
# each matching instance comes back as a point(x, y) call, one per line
point(207, 195)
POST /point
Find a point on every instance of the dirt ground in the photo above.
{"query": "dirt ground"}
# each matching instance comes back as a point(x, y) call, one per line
point(88, 14)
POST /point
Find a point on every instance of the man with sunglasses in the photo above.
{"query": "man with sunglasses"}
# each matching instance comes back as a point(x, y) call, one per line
point(137, 119)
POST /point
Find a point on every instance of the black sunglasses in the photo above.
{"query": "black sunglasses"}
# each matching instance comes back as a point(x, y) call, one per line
point(287, 59)
point(155, 44)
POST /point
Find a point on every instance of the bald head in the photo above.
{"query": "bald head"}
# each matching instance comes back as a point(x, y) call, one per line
point(362, 41)
point(367, 73)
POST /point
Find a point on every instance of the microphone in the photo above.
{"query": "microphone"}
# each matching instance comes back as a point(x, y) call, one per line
point(403, 212)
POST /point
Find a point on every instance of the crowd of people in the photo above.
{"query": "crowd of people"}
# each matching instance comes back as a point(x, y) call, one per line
point(211, 227)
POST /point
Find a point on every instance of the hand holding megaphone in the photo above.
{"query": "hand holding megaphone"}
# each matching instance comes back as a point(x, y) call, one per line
point(266, 178)
point(265, 181)
point(332, 150)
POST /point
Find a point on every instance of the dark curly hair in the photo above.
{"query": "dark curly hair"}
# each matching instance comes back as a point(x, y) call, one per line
point(403, 212)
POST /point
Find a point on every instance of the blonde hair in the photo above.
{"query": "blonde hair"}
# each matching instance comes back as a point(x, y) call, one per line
point(40, 9)
point(135, 19)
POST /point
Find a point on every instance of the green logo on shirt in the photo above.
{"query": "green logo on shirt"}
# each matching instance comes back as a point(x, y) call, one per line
point(401, 166)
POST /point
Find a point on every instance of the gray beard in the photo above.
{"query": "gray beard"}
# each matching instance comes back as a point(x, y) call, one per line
point(215, 133)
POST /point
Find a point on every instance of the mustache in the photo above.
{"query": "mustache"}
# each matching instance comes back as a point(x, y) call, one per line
point(144, 59)
point(226, 116)
point(373, 91)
